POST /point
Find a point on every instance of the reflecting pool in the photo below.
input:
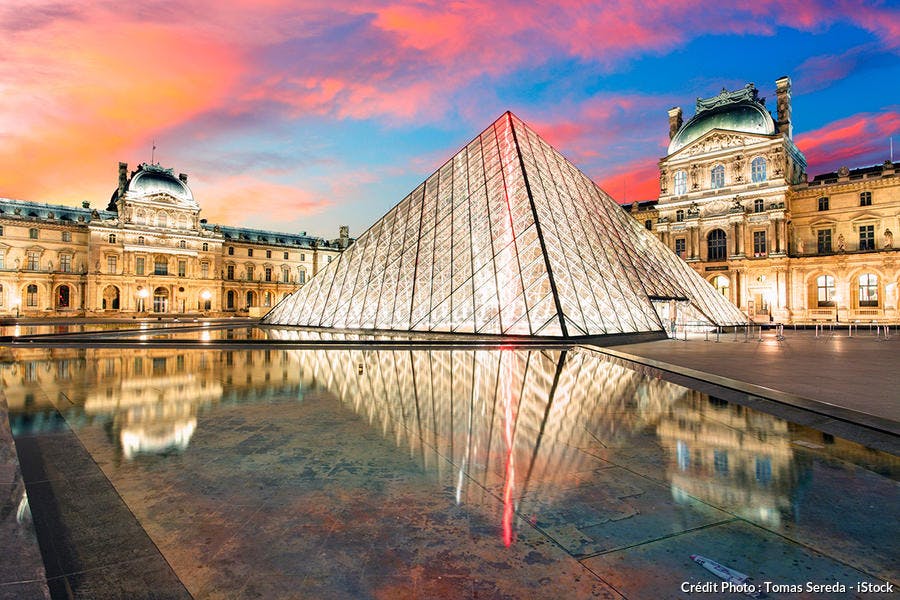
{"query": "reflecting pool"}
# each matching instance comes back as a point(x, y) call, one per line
point(465, 473)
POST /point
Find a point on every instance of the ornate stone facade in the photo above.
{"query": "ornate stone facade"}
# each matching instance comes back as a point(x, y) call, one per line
point(736, 203)
point(148, 252)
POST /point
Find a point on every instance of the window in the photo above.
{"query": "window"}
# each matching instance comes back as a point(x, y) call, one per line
point(823, 203)
point(268, 274)
point(33, 233)
point(111, 238)
point(33, 260)
point(759, 205)
point(65, 263)
point(679, 215)
point(759, 243)
point(31, 293)
point(680, 247)
point(1, 229)
point(162, 220)
point(720, 461)
point(302, 275)
point(330, 258)
point(160, 266)
point(823, 241)
point(648, 225)
point(140, 240)
point(231, 250)
point(2, 259)
point(182, 268)
point(268, 254)
point(67, 236)
point(139, 265)
point(717, 177)
point(680, 182)
point(285, 256)
point(111, 263)
point(182, 244)
point(764, 470)
point(302, 257)
point(825, 290)
point(63, 296)
point(204, 270)
point(868, 290)
point(715, 245)
point(866, 237)
point(229, 272)
point(865, 199)
point(722, 283)
point(267, 299)
point(285, 274)
point(758, 169)
point(250, 272)
point(249, 251)
point(1, 295)
point(205, 247)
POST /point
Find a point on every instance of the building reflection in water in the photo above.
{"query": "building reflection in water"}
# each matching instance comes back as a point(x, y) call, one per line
point(522, 425)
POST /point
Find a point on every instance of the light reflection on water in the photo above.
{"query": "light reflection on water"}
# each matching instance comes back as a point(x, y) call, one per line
point(524, 424)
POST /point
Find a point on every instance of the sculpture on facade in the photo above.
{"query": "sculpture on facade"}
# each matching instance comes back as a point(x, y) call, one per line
point(888, 239)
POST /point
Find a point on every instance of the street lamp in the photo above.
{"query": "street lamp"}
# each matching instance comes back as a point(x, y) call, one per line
point(142, 293)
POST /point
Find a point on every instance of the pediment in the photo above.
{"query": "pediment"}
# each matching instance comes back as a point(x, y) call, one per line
point(720, 139)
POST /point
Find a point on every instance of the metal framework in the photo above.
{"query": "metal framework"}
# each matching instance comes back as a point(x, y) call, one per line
point(506, 238)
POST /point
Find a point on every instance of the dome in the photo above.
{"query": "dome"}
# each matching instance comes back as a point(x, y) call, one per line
point(151, 180)
point(741, 111)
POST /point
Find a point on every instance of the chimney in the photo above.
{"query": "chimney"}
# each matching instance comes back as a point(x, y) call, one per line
point(123, 178)
point(182, 177)
point(783, 93)
point(85, 204)
point(345, 236)
point(675, 121)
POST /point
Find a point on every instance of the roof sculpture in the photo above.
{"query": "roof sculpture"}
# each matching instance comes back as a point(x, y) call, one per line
point(506, 238)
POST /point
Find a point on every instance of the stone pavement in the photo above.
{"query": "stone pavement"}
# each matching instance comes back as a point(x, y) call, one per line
point(833, 371)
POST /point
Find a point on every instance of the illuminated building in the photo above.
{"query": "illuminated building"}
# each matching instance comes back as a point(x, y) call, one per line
point(736, 204)
point(506, 238)
point(147, 252)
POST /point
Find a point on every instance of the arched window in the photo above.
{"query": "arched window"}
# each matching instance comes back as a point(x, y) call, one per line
point(722, 283)
point(758, 169)
point(680, 182)
point(267, 299)
point(140, 240)
point(717, 177)
point(31, 295)
point(759, 205)
point(110, 299)
point(868, 289)
point(251, 299)
point(162, 220)
point(715, 245)
point(182, 244)
point(63, 296)
point(825, 290)
point(160, 265)
point(160, 300)
point(229, 300)
point(205, 247)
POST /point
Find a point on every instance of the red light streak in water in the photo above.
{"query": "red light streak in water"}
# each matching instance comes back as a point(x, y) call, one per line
point(509, 483)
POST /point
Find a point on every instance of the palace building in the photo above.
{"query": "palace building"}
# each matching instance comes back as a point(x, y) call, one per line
point(736, 204)
point(147, 252)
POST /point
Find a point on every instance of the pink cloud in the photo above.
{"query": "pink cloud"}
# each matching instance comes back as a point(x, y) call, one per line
point(634, 181)
point(856, 141)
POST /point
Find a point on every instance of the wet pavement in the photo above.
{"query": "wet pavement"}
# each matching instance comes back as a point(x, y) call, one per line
point(425, 474)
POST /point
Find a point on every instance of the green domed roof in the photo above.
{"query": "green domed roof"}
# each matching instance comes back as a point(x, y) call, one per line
point(732, 111)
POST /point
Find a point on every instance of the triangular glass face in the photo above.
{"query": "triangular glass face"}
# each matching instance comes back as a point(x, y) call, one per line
point(506, 238)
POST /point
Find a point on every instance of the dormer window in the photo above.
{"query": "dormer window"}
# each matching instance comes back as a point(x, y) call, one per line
point(680, 183)
point(717, 177)
point(758, 169)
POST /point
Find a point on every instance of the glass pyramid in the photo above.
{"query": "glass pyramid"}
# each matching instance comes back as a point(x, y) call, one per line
point(506, 238)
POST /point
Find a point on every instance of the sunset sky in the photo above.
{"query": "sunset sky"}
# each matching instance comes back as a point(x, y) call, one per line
point(303, 115)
